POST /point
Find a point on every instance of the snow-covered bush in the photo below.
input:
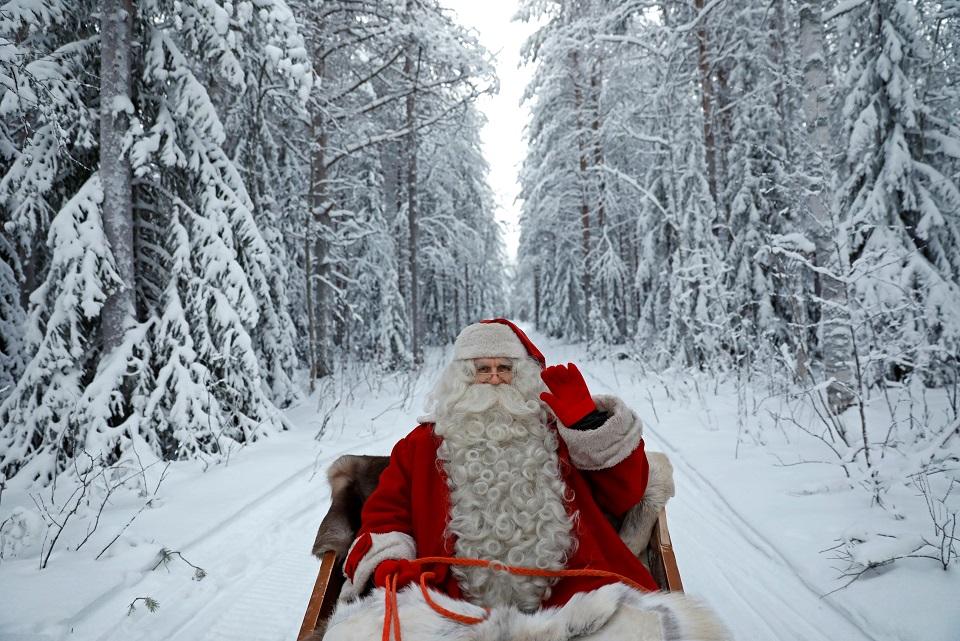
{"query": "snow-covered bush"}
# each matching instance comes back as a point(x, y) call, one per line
point(21, 533)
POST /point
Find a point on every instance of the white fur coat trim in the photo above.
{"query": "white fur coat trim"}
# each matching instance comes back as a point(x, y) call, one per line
point(612, 612)
point(608, 444)
point(390, 545)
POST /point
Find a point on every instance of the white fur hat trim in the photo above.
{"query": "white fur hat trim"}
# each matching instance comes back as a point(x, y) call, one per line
point(487, 340)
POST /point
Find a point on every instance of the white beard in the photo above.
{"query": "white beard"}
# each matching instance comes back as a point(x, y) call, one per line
point(506, 494)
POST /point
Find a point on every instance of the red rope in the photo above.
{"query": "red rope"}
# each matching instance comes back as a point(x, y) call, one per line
point(450, 614)
point(391, 614)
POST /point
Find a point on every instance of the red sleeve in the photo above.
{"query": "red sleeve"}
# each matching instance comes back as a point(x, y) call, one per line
point(388, 508)
point(386, 530)
point(618, 488)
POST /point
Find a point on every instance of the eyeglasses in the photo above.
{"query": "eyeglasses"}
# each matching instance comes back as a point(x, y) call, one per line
point(485, 373)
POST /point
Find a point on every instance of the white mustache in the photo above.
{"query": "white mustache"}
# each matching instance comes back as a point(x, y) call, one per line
point(482, 397)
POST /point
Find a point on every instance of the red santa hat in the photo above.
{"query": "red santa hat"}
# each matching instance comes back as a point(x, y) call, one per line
point(495, 338)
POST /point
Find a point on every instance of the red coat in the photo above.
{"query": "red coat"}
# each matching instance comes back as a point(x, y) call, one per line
point(407, 514)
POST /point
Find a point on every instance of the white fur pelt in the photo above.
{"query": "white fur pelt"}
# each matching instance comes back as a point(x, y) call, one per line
point(613, 612)
point(506, 494)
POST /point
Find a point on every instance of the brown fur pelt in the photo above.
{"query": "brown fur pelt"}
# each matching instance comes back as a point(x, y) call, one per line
point(352, 479)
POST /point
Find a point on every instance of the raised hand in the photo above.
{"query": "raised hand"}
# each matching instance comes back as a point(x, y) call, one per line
point(568, 397)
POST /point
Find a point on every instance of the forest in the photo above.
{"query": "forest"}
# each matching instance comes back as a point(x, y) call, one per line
point(765, 191)
point(211, 207)
point(200, 198)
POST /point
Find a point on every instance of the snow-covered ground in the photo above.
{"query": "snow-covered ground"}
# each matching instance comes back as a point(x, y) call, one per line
point(748, 530)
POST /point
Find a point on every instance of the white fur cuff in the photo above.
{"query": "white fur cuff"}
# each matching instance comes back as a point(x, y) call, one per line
point(389, 545)
point(608, 444)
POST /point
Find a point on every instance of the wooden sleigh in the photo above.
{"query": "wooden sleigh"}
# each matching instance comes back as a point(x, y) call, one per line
point(353, 479)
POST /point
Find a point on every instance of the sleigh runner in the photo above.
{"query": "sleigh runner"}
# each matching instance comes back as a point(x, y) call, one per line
point(353, 479)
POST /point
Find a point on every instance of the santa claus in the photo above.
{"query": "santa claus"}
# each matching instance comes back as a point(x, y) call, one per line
point(519, 465)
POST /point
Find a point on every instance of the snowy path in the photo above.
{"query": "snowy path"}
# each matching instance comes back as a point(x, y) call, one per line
point(260, 571)
point(758, 592)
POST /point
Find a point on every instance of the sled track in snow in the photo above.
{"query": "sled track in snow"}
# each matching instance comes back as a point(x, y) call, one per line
point(269, 594)
point(258, 561)
point(744, 572)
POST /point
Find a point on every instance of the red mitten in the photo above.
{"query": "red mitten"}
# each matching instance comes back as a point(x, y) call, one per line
point(568, 397)
point(407, 572)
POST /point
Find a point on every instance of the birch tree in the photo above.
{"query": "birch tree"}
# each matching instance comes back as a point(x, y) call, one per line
point(116, 36)
point(835, 345)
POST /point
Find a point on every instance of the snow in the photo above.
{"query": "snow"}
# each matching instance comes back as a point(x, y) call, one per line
point(946, 144)
point(842, 7)
point(749, 526)
point(274, 53)
point(122, 104)
point(793, 241)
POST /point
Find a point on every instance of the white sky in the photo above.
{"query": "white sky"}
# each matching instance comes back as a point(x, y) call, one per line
point(503, 144)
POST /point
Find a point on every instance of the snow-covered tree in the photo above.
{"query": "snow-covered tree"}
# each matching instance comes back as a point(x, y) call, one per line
point(182, 156)
point(392, 79)
point(754, 185)
point(11, 318)
point(899, 209)
point(555, 180)
point(41, 431)
point(54, 243)
point(263, 128)
point(617, 205)
point(201, 275)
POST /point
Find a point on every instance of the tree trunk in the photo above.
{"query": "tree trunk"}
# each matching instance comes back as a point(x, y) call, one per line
point(318, 314)
point(467, 301)
point(411, 70)
point(536, 298)
point(457, 323)
point(402, 260)
point(835, 340)
point(778, 36)
point(584, 191)
point(596, 87)
point(31, 270)
point(707, 99)
point(116, 25)
point(722, 130)
point(311, 316)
